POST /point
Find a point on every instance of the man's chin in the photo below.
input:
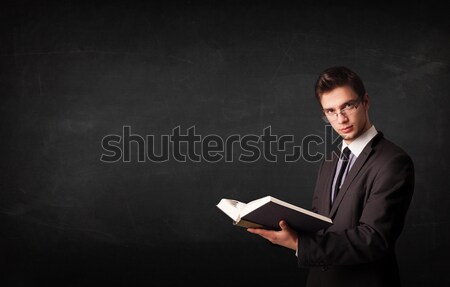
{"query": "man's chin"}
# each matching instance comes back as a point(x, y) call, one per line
point(347, 137)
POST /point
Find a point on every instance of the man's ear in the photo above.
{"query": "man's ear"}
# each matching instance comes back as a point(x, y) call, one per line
point(366, 100)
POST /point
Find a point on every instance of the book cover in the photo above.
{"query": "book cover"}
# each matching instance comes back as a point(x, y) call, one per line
point(266, 212)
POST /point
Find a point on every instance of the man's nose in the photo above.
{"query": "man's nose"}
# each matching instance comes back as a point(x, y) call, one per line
point(342, 118)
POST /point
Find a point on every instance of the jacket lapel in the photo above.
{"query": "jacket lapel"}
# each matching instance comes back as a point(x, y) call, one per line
point(359, 163)
point(328, 184)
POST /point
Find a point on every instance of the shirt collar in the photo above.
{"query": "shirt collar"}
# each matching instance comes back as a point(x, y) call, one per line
point(357, 146)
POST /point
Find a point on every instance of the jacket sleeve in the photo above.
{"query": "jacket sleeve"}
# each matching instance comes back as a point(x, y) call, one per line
point(389, 193)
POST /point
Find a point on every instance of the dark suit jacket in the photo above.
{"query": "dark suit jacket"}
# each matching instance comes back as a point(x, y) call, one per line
point(368, 215)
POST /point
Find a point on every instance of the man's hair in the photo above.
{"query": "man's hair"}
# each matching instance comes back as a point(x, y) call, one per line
point(339, 76)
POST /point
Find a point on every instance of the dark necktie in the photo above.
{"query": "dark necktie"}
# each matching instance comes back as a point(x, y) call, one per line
point(344, 157)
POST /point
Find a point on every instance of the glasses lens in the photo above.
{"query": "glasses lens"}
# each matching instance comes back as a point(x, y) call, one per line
point(347, 111)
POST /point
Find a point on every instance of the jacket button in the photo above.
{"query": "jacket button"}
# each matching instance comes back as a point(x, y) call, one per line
point(324, 268)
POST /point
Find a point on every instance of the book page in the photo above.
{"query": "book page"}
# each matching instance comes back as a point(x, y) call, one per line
point(231, 207)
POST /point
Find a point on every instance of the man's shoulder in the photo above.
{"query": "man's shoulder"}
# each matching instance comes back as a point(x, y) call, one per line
point(387, 149)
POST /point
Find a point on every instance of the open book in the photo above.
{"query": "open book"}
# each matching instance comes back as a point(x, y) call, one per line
point(266, 212)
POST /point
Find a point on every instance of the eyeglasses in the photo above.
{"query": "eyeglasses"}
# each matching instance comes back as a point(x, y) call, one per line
point(331, 116)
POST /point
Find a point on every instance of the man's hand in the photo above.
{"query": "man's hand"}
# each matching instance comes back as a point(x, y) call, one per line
point(286, 237)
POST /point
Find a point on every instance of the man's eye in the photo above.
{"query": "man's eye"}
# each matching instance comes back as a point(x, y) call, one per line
point(329, 112)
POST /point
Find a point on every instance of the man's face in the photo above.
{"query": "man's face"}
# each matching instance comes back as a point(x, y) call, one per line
point(356, 122)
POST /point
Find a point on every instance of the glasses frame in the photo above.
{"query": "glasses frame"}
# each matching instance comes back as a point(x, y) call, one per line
point(343, 112)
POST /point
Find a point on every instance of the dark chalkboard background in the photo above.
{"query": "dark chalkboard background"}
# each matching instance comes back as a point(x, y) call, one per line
point(73, 73)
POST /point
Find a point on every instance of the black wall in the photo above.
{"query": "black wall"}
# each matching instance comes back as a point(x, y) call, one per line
point(73, 73)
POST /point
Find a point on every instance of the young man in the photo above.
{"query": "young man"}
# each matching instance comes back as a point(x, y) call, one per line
point(367, 201)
